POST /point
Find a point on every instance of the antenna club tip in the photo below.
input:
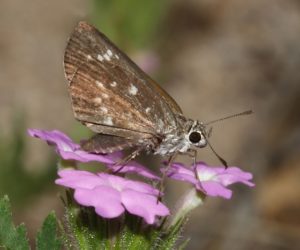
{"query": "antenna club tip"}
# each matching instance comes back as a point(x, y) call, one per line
point(224, 163)
point(249, 112)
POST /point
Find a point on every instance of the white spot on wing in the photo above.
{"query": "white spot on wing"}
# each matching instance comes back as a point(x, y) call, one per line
point(116, 56)
point(113, 84)
point(148, 110)
point(104, 95)
point(89, 57)
point(107, 57)
point(100, 58)
point(97, 100)
point(99, 84)
point(133, 90)
point(109, 52)
point(89, 124)
point(104, 110)
point(108, 121)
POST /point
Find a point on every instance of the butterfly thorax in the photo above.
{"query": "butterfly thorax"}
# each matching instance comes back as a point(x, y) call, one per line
point(191, 134)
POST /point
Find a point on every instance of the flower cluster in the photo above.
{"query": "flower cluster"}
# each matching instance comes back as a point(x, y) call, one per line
point(111, 194)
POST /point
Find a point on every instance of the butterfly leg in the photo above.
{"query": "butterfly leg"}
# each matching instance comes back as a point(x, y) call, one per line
point(193, 154)
point(122, 163)
point(164, 175)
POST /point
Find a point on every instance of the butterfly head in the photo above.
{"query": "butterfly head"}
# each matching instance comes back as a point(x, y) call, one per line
point(197, 135)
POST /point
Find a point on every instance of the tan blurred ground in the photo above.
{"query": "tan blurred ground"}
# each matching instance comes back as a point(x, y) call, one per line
point(218, 57)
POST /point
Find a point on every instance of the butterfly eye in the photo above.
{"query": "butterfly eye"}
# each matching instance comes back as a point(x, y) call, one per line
point(195, 137)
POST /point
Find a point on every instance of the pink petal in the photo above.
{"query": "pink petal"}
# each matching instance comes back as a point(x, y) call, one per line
point(79, 179)
point(213, 180)
point(120, 183)
point(54, 137)
point(233, 175)
point(66, 148)
point(68, 173)
point(143, 205)
point(105, 200)
point(214, 189)
point(179, 172)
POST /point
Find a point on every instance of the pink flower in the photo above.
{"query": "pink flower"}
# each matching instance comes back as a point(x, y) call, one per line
point(111, 195)
point(213, 181)
point(69, 150)
point(66, 148)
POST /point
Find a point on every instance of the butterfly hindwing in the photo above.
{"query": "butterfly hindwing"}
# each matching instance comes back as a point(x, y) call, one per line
point(104, 144)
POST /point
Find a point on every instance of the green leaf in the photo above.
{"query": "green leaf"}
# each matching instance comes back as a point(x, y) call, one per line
point(170, 237)
point(47, 237)
point(84, 229)
point(10, 236)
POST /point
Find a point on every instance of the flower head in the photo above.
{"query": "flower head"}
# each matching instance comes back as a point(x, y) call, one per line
point(111, 195)
point(213, 181)
point(70, 150)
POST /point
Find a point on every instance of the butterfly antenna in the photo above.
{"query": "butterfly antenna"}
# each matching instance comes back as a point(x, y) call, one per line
point(216, 154)
point(247, 112)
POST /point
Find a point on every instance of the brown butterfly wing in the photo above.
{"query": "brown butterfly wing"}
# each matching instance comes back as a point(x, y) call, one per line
point(101, 143)
point(110, 93)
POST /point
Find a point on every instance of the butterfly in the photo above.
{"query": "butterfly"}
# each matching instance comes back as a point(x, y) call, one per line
point(125, 107)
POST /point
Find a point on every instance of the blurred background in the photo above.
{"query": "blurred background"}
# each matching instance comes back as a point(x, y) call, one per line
point(215, 57)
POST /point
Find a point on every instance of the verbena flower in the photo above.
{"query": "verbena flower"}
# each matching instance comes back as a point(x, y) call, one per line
point(213, 181)
point(70, 150)
point(111, 195)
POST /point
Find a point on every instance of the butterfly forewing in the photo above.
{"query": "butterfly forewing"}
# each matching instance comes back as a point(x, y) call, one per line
point(109, 93)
